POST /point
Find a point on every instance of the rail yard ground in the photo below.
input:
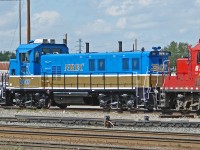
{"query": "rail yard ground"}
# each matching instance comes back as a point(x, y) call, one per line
point(137, 143)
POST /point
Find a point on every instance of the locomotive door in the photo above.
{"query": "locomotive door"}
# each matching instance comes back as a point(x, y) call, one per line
point(36, 64)
point(81, 80)
point(196, 66)
point(24, 68)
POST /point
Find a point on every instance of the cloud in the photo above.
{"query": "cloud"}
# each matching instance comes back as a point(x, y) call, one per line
point(197, 2)
point(145, 2)
point(131, 35)
point(105, 3)
point(182, 31)
point(144, 25)
point(121, 23)
point(119, 8)
point(7, 19)
point(124, 7)
point(45, 18)
point(46, 24)
point(98, 26)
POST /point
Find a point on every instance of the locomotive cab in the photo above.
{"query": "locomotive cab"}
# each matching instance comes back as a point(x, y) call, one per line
point(182, 65)
point(182, 89)
point(25, 79)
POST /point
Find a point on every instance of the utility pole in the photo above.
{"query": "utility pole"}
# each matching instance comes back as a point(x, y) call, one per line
point(28, 22)
point(20, 32)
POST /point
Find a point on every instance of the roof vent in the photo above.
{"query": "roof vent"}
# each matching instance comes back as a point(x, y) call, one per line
point(52, 41)
point(45, 41)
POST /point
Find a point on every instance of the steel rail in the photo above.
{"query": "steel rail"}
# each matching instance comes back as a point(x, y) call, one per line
point(98, 137)
point(99, 121)
point(7, 144)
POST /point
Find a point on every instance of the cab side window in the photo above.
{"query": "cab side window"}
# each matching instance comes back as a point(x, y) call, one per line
point(45, 51)
point(198, 57)
point(24, 57)
point(56, 51)
point(37, 55)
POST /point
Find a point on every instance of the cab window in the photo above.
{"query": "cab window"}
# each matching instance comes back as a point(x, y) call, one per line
point(198, 57)
point(56, 51)
point(24, 57)
point(45, 51)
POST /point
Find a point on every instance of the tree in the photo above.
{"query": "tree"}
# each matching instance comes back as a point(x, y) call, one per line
point(6, 55)
point(178, 50)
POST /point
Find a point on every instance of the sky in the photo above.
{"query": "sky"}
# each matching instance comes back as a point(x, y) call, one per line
point(102, 23)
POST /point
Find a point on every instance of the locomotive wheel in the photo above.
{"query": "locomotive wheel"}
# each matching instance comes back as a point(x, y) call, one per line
point(48, 105)
point(133, 110)
point(22, 106)
point(106, 108)
point(150, 108)
point(62, 106)
point(9, 99)
point(198, 112)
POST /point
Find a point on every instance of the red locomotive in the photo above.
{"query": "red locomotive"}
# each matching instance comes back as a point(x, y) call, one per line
point(182, 89)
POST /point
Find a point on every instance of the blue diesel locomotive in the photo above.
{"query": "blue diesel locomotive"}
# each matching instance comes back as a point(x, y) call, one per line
point(44, 74)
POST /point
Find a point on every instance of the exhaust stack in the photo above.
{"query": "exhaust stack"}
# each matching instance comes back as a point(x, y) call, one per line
point(87, 47)
point(65, 40)
point(120, 46)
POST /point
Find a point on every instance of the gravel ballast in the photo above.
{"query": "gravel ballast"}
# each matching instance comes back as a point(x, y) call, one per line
point(99, 114)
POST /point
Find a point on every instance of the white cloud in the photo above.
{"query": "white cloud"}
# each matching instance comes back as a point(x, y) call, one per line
point(45, 18)
point(182, 31)
point(7, 18)
point(46, 24)
point(144, 25)
point(7, 33)
point(197, 2)
point(120, 8)
point(105, 3)
point(131, 35)
point(98, 26)
point(145, 2)
point(121, 23)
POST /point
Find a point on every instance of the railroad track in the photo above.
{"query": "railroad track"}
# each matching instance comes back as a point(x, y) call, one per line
point(55, 146)
point(164, 113)
point(100, 121)
point(98, 138)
